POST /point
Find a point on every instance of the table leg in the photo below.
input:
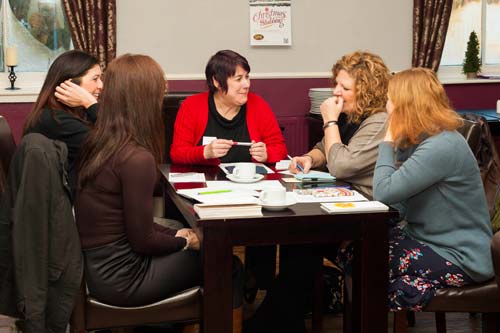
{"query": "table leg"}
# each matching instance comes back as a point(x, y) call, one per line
point(366, 299)
point(217, 291)
point(373, 302)
point(318, 299)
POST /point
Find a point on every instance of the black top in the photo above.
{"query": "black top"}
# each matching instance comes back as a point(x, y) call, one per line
point(117, 204)
point(346, 128)
point(235, 129)
point(63, 126)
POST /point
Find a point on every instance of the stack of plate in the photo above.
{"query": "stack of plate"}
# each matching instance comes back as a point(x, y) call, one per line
point(317, 96)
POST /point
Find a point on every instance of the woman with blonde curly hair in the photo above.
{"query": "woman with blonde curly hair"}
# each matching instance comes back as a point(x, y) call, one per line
point(349, 151)
point(353, 121)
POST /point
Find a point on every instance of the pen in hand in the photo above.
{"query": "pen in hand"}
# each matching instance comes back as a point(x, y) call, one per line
point(301, 169)
point(235, 143)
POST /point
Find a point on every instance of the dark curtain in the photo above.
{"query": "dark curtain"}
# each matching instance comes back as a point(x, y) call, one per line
point(93, 27)
point(430, 25)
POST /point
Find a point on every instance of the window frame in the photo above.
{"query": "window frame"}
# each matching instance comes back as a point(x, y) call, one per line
point(453, 73)
point(29, 82)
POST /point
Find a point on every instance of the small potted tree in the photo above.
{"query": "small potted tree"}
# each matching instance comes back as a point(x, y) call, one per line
point(472, 62)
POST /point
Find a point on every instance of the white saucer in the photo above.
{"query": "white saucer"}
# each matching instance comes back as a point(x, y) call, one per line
point(255, 179)
point(289, 202)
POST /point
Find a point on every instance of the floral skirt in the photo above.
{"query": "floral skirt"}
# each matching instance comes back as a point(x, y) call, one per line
point(415, 272)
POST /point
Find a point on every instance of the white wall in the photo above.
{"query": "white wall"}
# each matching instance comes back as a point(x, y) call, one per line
point(182, 34)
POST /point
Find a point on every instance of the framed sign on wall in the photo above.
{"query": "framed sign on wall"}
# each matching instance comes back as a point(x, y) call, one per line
point(270, 23)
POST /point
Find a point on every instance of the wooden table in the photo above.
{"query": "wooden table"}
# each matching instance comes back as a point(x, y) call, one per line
point(303, 223)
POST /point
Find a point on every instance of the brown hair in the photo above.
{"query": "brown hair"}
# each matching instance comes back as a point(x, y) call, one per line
point(129, 112)
point(421, 107)
point(371, 77)
point(70, 65)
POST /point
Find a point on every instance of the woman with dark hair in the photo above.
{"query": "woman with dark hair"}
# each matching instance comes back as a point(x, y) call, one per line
point(208, 124)
point(80, 72)
point(129, 259)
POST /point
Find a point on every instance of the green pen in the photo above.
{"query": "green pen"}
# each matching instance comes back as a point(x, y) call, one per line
point(214, 192)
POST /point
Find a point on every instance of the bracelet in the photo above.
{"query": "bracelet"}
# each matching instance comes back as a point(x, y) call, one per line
point(329, 123)
point(186, 247)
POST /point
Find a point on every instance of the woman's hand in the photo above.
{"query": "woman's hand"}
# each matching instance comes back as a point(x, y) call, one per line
point(388, 133)
point(258, 151)
point(304, 161)
point(191, 238)
point(331, 108)
point(73, 95)
point(217, 148)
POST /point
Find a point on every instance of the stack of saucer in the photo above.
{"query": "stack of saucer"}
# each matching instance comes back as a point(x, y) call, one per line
point(317, 96)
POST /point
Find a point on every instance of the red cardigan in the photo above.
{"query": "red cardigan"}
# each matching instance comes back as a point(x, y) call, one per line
point(192, 120)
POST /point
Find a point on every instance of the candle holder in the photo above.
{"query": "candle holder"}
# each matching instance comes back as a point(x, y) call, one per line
point(12, 78)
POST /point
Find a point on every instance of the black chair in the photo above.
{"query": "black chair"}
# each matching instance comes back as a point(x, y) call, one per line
point(89, 314)
point(171, 105)
point(495, 254)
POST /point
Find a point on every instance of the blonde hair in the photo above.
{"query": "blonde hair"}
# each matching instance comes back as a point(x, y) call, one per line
point(421, 107)
point(371, 77)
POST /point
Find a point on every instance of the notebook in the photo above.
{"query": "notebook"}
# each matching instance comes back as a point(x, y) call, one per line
point(353, 207)
point(216, 211)
point(315, 176)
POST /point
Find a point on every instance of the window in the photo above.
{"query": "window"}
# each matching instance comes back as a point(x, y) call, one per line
point(39, 30)
point(482, 16)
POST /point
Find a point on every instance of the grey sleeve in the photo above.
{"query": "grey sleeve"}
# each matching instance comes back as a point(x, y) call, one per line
point(431, 162)
point(358, 157)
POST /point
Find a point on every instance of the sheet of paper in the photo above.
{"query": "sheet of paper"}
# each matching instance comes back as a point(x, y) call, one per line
point(310, 198)
point(186, 177)
point(226, 184)
point(207, 139)
point(223, 196)
point(260, 168)
point(283, 164)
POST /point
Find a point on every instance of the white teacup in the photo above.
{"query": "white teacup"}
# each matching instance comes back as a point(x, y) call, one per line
point(244, 171)
point(273, 196)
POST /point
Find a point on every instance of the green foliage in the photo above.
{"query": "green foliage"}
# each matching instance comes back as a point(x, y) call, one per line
point(472, 62)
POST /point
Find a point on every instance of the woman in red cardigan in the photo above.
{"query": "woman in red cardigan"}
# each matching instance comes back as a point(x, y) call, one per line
point(209, 124)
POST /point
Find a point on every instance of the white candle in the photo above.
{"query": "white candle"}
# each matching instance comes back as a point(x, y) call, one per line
point(498, 106)
point(11, 56)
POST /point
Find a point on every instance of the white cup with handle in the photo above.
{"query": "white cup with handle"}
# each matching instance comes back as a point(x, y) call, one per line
point(244, 171)
point(273, 196)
